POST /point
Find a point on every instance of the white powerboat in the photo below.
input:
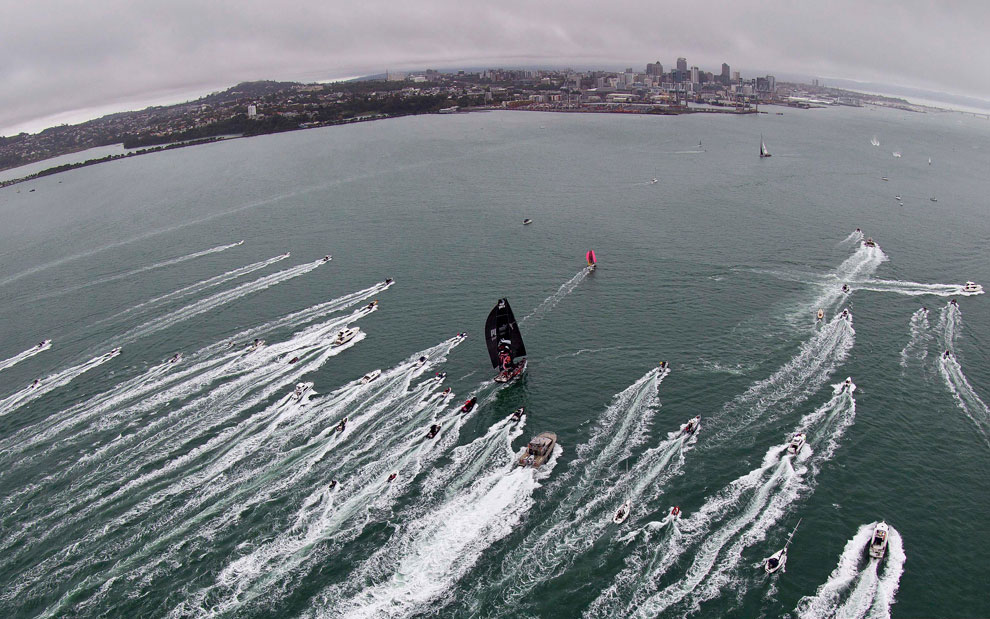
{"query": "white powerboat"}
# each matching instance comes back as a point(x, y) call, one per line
point(675, 513)
point(44, 343)
point(797, 443)
point(327, 258)
point(527, 221)
point(537, 451)
point(778, 560)
point(370, 376)
point(821, 314)
point(896, 154)
point(691, 426)
point(255, 345)
point(421, 361)
point(177, 357)
point(870, 242)
point(972, 287)
point(623, 513)
point(344, 335)
point(878, 542)
point(301, 390)
point(112, 353)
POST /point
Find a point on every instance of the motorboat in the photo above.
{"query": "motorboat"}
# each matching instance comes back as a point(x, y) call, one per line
point(370, 376)
point(527, 221)
point(113, 353)
point(327, 258)
point(675, 513)
point(845, 288)
point(947, 355)
point(392, 477)
point(388, 280)
point(440, 376)
point(821, 314)
point(434, 430)
point(421, 361)
point(933, 199)
point(342, 425)
point(332, 484)
point(256, 344)
point(372, 305)
point(654, 180)
point(898, 198)
point(293, 360)
point(177, 357)
point(664, 365)
point(285, 255)
point(301, 390)
point(691, 426)
point(971, 287)
point(797, 443)
point(778, 560)
point(622, 514)
point(592, 260)
point(847, 384)
point(884, 178)
point(35, 384)
point(506, 349)
point(537, 451)
point(462, 335)
point(446, 392)
point(517, 414)
point(845, 314)
point(870, 242)
point(345, 335)
point(468, 406)
point(764, 151)
point(953, 302)
point(878, 541)
point(858, 230)
point(43, 343)
point(896, 154)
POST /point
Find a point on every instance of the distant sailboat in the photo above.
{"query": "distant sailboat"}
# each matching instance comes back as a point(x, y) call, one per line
point(874, 141)
point(592, 261)
point(655, 178)
point(763, 149)
point(896, 153)
point(929, 161)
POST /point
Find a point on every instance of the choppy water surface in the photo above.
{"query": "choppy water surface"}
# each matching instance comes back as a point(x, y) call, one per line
point(193, 473)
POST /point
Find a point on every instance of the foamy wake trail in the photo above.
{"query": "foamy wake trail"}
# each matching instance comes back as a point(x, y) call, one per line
point(593, 488)
point(50, 383)
point(731, 521)
point(212, 302)
point(948, 326)
point(855, 236)
point(138, 271)
point(200, 286)
point(969, 402)
point(27, 354)
point(799, 378)
point(921, 339)
point(550, 302)
point(430, 554)
point(856, 268)
point(914, 288)
point(858, 587)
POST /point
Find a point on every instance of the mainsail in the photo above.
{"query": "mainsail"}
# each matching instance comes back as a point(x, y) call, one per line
point(591, 257)
point(501, 328)
point(763, 148)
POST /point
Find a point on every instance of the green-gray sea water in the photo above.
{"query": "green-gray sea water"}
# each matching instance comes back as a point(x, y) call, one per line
point(146, 484)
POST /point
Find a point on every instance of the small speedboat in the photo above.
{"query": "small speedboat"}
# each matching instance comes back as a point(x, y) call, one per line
point(847, 384)
point(446, 392)
point(664, 365)
point(778, 560)
point(821, 314)
point(440, 376)
point(537, 451)
point(112, 353)
point(878, 542)
point(858, 230)
point(344, 335)
point(675, 513)
point(845, 314)
point(845, 288)
point(256, 344)
point(971, 287)
point(434, 430)
point(947, 355)
point(953, 302)
point(896, 154)
point(392, 477)
point(933, 199)
point(388, 280)
point(654, 181)
point(342, 425)
point(462, 335)
point(370, 376)
point(691, 426)
point(797, 443)
point(517, 414)
point(175, 358)
point(35, 384)
point(527, 221)
point(622, 513)
point(301, 390)
point(884, 178)
point(44, 343)
point(469, 405)
point(372, 305)
point(421, 361)
point(898, 198)
point(327, 258)
point(293, 360)
point(870, 242)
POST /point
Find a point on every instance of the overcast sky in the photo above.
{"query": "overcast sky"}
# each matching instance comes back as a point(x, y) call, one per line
point(70, 60)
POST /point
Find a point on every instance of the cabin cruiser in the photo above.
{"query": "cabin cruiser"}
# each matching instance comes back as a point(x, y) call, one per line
point(43, 343)
point(778, 560)
point(175, 358)
point(345, 335)
point(301, 390)
point(527, 221)
point(691, 426)
point(538, 451)
point(971, 287)
point(342, 425)
point(675, 513)
point(504, 341)
point(821, 314)
point(870, 242)
point(878, 542)
point(517, 414)
point(623, 512)
point(469, 405)
point(434, 430)
point(370, 376)
point(797, 443)
point(372, 305)
point(256, 344)
point(326, 258)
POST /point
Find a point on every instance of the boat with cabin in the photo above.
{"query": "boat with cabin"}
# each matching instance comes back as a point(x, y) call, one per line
point(537, 451)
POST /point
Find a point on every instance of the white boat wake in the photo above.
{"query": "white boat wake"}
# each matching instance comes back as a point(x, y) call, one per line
point(27, 354)
point(728, 523)
point(50, 383)
point(969, 402)
point(914, 289)
point(856, 236)
point(858, 267)
point(550, 302)
point(921, 339)
point(858, 587)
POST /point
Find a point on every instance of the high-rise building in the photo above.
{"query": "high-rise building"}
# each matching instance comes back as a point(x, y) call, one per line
point(695, 75)
point(682, 64)
point(654, 68)
point(252, 111)
point(735, 76)
point(724, 78)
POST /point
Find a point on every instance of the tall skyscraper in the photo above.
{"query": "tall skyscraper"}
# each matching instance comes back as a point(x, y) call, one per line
point(654, 68)
point(695, 75)
point(724, 78)
point(682, 64)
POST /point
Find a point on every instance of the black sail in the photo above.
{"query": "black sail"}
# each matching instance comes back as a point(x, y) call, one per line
point(501, 328)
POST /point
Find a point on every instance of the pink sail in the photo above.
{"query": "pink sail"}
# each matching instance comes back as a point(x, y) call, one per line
point(591, 257)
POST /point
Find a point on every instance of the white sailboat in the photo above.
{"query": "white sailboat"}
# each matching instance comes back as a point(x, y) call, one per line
point(875, 141)
point(764, 153)
point(778, 560)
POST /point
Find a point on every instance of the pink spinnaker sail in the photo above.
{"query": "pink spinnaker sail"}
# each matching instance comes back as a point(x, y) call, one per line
point(591, 257)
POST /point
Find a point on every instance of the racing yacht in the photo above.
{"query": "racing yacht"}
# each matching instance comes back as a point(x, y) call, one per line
point(778, 560)
point(797, 443)
point(345, 335)
point(538, 451)
point(505, 344)
point(623, 512)
point(370, 376)
point(972, 287)
point(878, 542)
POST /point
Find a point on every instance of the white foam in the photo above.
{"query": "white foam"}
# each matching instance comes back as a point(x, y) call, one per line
point(550, 302)
point(50, 383)
point(30, 352)
point(920, 341)
point(914, 289)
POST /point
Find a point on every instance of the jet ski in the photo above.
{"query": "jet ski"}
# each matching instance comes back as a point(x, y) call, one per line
point(301, 390)
point(527, 221)
point(434, 429)
point(870, 242)
point(469, 405)
point(462, 335)
point(293, 360)
point(858, 230)
point(878, 543)
point(392, 477)
point(340, 426)
point(344, 335)
point(537, 451)
point(898, 198)
point(821, 314)
point(623, 512)
point(256, 344)
point(675, 513)
point(370, 376)
point(778, 560)
point(112, 353)
point(691, 426)
point(440, 376)
point(664, 365)
point(175, 358)
point(326, 258)
point(845, 314)
point(517, 414)
point(971, 287)
point(797, 443)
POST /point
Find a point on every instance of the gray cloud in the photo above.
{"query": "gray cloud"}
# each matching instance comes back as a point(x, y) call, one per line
point(64, 56)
